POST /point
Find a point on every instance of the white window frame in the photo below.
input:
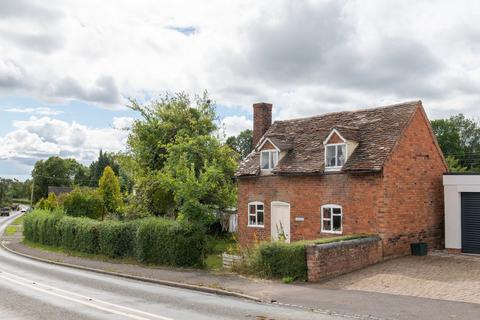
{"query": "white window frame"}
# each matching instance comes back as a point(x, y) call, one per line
point(270, 160)
point(255, 203)
point(336, 145)
point(331, 206)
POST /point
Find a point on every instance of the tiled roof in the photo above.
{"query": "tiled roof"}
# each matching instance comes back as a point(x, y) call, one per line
point(376, 130)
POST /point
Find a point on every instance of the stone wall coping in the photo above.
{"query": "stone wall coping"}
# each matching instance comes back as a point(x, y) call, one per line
point(345, 243)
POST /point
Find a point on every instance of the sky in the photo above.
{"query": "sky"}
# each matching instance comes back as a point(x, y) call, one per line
point(68, 68)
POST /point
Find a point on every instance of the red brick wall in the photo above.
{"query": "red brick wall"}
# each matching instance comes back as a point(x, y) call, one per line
point(413, 198)
point(326, 261)
point(335, 139)
point(359, 195)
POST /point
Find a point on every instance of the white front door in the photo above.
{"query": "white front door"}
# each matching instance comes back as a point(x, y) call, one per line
point(280, 221)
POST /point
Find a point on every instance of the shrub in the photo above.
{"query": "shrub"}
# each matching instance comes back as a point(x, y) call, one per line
point(50, 203)
point(152, 240)
point(41, 227)
point(168, 242)
point(279, 260)
point(117, 239)
point(83, 203)
point(79, 234)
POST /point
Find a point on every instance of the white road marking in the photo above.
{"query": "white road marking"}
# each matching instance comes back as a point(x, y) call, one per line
point(78, 298)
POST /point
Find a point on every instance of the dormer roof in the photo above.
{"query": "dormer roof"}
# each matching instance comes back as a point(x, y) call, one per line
point(376, 131)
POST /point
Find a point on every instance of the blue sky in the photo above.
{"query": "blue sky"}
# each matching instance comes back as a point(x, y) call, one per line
point(67, 68)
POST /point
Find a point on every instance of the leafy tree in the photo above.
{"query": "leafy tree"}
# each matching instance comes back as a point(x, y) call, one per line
point(459, 136)
point(199, 173)
point(454, 165)
point(243, 143)
point(109, 189)
point(105, 159)
point(83, 203)
point(57, 172)
point(163, 123)
point(50, 203)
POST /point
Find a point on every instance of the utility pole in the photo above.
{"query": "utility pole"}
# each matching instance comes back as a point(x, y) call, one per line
point(31, 195)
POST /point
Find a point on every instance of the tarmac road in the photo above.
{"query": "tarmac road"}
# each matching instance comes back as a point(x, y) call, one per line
point(35, 290)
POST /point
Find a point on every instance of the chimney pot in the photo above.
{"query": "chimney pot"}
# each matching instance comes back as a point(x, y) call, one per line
point(262, 120)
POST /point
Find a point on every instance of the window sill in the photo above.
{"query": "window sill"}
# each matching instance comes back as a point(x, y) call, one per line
point(333, 169)
point(331, 232)
point(255, 226)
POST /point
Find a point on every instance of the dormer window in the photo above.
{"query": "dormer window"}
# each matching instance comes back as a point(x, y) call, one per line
point(268, 159)
point(335, 156)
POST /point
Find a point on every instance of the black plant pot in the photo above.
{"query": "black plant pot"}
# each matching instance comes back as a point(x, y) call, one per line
point(419, 249)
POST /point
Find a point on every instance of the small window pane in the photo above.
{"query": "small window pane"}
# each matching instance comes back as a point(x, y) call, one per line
point(252, 209)
point(337, 211)
point(330, 156)
point(326, 213)
point(251, 220)
point(274, 159)
point(337, 223)
point(326, 225)
point(260, 218)
point(260, 207)
point(265, 160)
point(341, 155)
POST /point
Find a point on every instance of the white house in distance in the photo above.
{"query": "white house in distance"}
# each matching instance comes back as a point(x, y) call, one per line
point(462, 212)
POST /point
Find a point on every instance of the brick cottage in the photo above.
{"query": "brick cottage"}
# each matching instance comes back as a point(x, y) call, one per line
point(376, 171)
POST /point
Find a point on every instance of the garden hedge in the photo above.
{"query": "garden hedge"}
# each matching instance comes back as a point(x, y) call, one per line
point(153, 240)
point(278, 260)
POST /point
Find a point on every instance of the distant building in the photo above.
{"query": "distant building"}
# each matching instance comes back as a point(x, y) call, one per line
point(59, 190)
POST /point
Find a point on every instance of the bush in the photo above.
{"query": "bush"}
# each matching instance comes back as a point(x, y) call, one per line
point(117, 239)
point(153, 240)
point(167, 242)
point(280, 260)
point(41, 227)
point(50, 203)
point(79, 234)
point(83, 203)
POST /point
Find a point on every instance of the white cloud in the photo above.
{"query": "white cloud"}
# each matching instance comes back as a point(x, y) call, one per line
point(236, 124)
point(342, 54)
point(38, 138)
point(122, 123)
point(40, 110)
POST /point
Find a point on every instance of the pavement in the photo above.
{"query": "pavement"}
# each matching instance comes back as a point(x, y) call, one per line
point(307, 299)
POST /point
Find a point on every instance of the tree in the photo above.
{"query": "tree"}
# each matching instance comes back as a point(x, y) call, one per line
point(57, 172)
point(163, 123)
point(199, 173)
point(50, 203)
point(459, 137)
point(105, 159)
point(243, 143)
point(454, 165)
point(109, 189)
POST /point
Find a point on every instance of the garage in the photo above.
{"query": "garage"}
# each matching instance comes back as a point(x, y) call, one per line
point(462, 212)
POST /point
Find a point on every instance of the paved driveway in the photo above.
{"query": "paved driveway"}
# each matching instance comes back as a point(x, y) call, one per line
point(437, 276)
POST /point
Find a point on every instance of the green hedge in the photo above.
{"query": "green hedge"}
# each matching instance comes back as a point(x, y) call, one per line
point(278, 260)
point(118, 239)
point(167, 242)
point(153, 240)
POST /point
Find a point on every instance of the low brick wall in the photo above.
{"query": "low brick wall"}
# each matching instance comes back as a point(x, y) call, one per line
point(329, 260)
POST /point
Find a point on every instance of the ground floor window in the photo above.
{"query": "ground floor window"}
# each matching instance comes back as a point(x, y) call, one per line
point(255, 214)
point(331, 218)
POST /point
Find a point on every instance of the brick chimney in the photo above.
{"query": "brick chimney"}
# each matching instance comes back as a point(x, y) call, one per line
point(262, 120)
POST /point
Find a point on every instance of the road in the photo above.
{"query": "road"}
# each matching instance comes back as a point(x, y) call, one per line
point(35, 290)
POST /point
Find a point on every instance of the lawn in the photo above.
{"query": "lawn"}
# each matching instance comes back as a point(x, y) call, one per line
point(12, 228)
point(216, 246)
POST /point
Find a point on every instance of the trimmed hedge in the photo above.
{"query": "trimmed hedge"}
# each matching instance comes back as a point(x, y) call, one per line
point(153, 240)
point(168, 242)
point(278, 260)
